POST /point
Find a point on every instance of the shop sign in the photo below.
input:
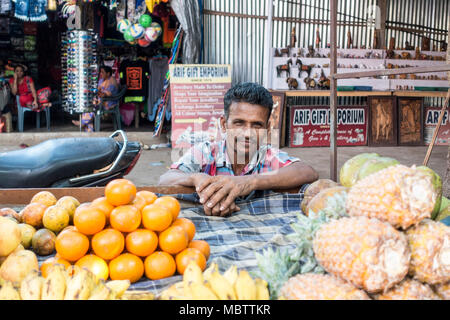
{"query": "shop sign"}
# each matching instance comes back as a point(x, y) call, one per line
point(197, 93)
point(431, 120)
point(310, 126)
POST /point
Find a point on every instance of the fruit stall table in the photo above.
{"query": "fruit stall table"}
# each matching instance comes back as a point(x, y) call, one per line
point(262, 222)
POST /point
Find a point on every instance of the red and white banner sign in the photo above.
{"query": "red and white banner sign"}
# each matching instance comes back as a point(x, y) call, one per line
point(310, 126)
point(431, 120)
point(197, 93)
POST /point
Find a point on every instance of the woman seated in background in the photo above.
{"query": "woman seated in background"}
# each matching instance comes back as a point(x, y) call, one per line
point(23, 86)
point(107, 86)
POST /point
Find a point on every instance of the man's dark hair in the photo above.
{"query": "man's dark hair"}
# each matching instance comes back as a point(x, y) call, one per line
point(249, 92)
point(107, 69)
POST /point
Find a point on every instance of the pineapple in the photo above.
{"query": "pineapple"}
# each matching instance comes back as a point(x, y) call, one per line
point(430, 252)
point(409, 289)
point(369, 253)
point(311, 286)
point(398, 194)
point(443, 290)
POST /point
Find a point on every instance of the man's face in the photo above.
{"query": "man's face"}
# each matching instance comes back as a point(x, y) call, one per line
point(246, 128)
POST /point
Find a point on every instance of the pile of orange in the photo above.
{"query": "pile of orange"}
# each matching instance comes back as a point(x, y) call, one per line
point(128, 234)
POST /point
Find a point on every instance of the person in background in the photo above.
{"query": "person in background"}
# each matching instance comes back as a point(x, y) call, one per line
point(107, 86)
point(23, 86)
point(243, 161)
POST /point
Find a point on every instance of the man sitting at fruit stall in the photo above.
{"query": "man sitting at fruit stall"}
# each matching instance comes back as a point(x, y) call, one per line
point(243, 161)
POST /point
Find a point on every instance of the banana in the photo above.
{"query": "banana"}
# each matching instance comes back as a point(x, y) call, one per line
point(201, 292)
point(231, 274)
point(80, 285)
point(54, 285)
point(245, 287)
point(207, 273)
point(262, 291)
point(192, 273)
point(31, 286)
point(221, 287)
point(101, 292)
point(118, 287)
point(174, 292)
point(7, 292)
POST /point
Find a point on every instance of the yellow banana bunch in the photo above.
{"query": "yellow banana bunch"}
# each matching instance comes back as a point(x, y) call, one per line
point(211, 285)
point(59, 285)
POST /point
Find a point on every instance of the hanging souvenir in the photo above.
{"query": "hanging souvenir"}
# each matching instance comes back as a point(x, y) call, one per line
point(145, 20)
point(123, 25)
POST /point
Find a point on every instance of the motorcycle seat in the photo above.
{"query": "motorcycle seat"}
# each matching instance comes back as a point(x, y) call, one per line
point(43, 164)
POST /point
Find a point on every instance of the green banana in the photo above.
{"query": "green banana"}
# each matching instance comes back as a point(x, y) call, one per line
point(8, 292)
point(54, 285)
point(245, 287)
point(221, 287)
point(31, 286)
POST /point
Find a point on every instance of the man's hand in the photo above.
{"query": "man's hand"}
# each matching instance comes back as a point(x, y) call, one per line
point(221, 191)
point(223, 213)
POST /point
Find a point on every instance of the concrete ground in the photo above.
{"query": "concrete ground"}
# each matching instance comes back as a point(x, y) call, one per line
point(153, 163)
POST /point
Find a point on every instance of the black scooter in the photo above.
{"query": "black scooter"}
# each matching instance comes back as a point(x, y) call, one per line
point(69, 162)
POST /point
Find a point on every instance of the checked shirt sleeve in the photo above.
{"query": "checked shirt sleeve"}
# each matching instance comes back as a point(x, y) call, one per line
point(276, 159)
point(195, 159)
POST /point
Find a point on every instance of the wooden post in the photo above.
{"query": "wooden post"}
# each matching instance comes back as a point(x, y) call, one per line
point(382, 30)
point(446, 182)
point(333, 91)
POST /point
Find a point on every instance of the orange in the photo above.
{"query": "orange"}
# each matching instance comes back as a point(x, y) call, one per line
point(45, 266)
point(187, 255)
point(173, 240)
point(139, 202)
point(156, 218)
point(71, 245)
point(201, 245)
point(103, 204)
point(126, 218)
point(159, 265)
point(187, 225)
point(95, 264)
point(149, 196)
point(120, 192)
point(89, 220)
point(141, 242)
point(108, 244)
point(127, 266)
point(171, 204)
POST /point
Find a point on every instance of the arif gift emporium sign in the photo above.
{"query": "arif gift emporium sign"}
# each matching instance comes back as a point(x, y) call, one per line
point(309, 126)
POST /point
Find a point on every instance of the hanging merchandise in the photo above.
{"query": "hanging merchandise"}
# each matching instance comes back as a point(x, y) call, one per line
point(80, 70)
point(30, 10)
point(137, 31)
point(123, 25)
point(68, 8)
point(163, 102)
point(151, 4)
point(5, 6)
point(51, 5)
point(143, 43)
point(145, 20)
point(153, 32)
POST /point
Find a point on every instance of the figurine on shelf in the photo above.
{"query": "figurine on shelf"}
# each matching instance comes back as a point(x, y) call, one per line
point(392, 44)
point(310, 83)
point(390, 54)
point(317, 38)
point(408, 46)
point(302, 67)
point(292, 83)
point(417, 57)
point(425, 44)
point(349, 40)
point(443, 46)
point(406, 55)
point(300, 52)
point(376, 42)
point(293, 38)
point(311, 52)
point(324, 82)
point(284, 67)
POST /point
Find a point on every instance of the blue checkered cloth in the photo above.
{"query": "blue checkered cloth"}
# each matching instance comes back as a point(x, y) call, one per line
point(263, 221)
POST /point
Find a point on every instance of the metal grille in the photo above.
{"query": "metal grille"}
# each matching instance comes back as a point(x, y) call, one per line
point(234, 29)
